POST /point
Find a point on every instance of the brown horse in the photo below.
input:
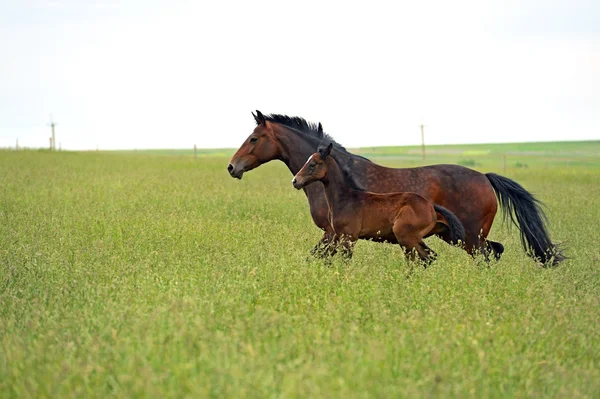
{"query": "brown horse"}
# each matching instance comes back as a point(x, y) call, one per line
point(354, 214)
point(469, 194)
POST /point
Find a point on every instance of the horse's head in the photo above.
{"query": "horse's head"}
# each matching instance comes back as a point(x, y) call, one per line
point(260, 147)
point(315, 168)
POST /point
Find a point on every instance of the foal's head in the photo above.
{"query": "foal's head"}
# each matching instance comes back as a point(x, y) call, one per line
point(315, 168)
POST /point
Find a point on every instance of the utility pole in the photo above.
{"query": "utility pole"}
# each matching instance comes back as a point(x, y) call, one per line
point(423, 140)
point(17, 147)
point(53, 140)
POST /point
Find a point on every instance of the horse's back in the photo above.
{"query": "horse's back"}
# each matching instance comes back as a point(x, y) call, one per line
point(466, 192)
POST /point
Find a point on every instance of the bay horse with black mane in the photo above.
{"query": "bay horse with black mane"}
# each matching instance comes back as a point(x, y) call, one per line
point(354, 213)
point(469, 194)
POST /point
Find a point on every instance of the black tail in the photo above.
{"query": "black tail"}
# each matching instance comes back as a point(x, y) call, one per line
point(517, 203)
point(457, 230)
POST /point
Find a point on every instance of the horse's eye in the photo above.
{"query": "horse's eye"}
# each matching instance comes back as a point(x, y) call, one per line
point(312, 164)
point(253, 139)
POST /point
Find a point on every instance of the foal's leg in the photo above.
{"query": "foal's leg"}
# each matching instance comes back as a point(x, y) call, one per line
point(333, 246)
point(432, 255)
point(425, 255)
point(410, 238)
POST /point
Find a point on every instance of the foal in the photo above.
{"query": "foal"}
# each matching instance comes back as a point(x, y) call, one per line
point(355, 213)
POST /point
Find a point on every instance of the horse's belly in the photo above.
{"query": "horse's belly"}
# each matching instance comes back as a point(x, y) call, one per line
point(387, 236)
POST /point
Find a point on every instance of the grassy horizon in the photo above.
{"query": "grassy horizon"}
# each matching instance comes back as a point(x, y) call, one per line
point(581, 146)
point(587, 151)
point(479, 156)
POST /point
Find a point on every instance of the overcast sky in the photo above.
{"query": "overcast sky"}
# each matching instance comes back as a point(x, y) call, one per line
point(148, 74)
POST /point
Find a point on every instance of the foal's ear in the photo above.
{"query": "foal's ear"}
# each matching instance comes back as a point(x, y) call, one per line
point(259, 118)
point(328, 149)
point(325, 151)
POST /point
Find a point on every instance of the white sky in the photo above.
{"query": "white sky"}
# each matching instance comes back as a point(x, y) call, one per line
point(171, 74)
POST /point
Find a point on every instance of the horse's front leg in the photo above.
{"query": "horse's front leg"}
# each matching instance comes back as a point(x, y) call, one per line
point(326, 246)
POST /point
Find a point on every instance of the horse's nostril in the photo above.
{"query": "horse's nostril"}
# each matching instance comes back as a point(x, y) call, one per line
point(230, 168)
point(294, 181)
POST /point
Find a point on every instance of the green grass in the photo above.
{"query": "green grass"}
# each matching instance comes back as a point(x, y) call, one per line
point(137, 275)
point(201, 152)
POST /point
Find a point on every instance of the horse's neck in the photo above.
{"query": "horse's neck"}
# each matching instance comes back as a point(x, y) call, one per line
point(337, 191)
point(294, 149)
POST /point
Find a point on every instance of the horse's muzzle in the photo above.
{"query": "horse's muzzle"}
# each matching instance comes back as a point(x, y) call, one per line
point(297, 185)
point(235, 173)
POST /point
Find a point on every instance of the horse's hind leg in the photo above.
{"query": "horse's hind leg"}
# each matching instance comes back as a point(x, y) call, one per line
point(477, 230)
point(496, 248)
point(478, 245)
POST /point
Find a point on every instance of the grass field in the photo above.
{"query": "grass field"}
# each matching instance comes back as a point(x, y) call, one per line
point(145, 275)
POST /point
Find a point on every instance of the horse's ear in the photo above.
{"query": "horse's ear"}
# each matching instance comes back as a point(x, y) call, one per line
point(320, 130)
point(255, 118)
point(260, 118)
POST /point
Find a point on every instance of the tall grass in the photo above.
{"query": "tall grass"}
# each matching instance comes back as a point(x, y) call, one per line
point(139, 275)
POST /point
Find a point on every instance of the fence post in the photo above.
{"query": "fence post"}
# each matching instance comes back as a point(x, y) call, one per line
point(504, 163)
point(53, 139)
point(195, 152)
point(50, 143)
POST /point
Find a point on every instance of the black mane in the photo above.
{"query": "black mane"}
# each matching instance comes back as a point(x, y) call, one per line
point(303, 126)
point(345, 160)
